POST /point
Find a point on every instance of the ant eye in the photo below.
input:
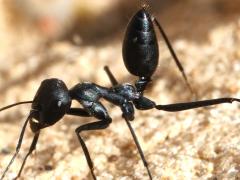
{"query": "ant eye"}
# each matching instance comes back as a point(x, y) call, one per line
point(59, 103)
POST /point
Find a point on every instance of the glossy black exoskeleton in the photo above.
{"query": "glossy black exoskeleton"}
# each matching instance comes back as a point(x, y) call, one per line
point(140, 48)
point(140, 45)
point(140, 53)
point(53, 100)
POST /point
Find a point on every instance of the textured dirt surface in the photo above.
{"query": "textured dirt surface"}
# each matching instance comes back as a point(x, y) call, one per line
point(194, 144)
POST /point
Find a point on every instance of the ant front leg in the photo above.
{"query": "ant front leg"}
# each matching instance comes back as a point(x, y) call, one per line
point(98, 111)
point(18, 146)
point(31, 149)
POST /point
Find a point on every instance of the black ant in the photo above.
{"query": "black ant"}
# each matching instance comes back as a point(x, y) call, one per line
point(53, 99)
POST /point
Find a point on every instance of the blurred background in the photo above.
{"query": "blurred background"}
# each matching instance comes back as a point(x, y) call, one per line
point(73, 39)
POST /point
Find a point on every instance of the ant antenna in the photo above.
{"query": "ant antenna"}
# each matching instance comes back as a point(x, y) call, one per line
point(21, 135)
point(15, 104)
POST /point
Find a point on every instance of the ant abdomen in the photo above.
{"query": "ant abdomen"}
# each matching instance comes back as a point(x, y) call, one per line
point(140, 46)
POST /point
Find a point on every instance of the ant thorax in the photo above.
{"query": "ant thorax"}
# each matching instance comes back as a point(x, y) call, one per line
point(127, 90)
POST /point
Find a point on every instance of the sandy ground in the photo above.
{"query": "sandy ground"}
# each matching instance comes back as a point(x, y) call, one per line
point(194, 144)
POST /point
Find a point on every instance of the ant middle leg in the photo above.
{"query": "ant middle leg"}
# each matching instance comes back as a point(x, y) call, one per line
point(98, 111)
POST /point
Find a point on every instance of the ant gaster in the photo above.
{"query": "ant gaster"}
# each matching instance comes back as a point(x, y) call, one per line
point(53, 99)
point(140, 48)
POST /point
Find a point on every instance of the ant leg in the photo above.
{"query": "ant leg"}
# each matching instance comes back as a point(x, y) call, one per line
point(110, 76)
point(100, 113)
point(18, 146)
point(32, 147)
point(196, 104)
point(174, 56)
point(78, 112)
point(145, 104)
point(139, 148)
point(128, 112)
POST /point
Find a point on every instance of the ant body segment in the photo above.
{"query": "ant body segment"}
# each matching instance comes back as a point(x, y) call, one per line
point(53, 99)
point(140, 48)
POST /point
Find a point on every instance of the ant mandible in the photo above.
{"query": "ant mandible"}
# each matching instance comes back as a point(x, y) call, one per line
point(53, 99)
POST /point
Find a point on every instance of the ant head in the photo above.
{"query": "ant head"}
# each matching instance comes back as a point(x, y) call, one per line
point(50, 104)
